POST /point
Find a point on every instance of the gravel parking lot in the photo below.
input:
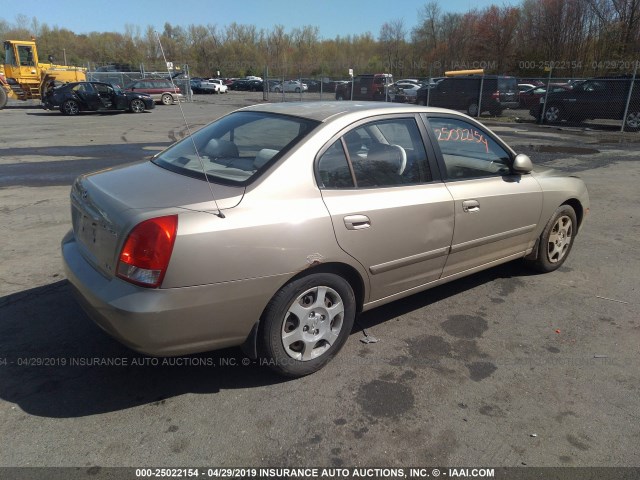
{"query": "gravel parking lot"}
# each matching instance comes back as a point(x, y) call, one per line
point(504, 368)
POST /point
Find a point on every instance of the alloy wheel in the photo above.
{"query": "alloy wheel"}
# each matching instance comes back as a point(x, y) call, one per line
point(560, 239)
point(312, 323)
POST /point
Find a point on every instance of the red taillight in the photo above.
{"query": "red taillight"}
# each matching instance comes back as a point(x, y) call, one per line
point(145, 255)
point(496, 95)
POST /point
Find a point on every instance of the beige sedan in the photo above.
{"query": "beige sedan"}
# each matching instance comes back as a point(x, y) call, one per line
point(274, 226)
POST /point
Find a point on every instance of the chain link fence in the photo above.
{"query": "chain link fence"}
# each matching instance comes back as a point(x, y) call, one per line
point(605, 96)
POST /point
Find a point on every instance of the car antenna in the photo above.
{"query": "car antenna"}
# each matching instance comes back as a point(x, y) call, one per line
point(184, 118)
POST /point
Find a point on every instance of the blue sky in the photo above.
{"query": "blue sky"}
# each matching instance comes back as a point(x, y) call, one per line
point(333, 17)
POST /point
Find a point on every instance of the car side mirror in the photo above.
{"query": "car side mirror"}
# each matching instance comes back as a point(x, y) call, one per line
point(522, 164)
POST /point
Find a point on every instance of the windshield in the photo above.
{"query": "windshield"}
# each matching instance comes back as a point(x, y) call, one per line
point(236, 148)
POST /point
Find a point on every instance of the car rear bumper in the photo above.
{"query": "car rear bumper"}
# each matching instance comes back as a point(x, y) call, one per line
point(165, 322)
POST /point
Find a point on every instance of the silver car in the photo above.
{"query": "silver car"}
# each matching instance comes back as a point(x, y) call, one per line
point(275, 225)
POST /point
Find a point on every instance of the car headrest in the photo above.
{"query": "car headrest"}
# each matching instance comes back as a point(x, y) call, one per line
point(217, 148)
point(394, 155)
point(264, 156)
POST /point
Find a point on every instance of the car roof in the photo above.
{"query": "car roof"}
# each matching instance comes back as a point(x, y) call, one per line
point(325, 111)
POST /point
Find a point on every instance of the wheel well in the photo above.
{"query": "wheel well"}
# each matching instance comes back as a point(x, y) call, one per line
point(347, 272)
point(350, 274)
point(577, 207)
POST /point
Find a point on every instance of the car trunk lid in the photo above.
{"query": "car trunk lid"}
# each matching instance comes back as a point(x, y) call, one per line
point(106, 205)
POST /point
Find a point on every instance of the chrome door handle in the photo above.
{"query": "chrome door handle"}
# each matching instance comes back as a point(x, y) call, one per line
point(471, 206)
point(357, 222)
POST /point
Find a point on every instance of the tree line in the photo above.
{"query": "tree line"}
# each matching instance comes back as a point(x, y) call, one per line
point(569, 37)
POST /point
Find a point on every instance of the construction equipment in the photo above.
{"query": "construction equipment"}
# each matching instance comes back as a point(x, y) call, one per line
point(23, 77)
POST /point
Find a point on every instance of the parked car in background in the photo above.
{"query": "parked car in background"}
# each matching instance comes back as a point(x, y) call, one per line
point(365, 87)
point(194, 84)
point(321, 211)
point(523, 87)
point(409, 80)
point(247, 85)
point(221, 87)
point(294, 86)
point(161, 90)
point(531, 97)
point(602, 98)
point(73, 98)
point(463, 93)
point(404, 91)
point(212, 85)
point(319, 85)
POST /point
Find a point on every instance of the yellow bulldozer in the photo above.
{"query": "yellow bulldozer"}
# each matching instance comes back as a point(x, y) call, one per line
point(23, 77)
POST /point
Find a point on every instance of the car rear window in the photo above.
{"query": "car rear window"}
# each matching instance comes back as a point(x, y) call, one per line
point(237, 148)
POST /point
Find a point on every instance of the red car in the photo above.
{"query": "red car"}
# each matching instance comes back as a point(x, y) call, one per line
point(161, 90)
point(530, 98)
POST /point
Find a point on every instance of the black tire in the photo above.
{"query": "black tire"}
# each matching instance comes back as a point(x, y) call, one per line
point(422, 101)
point(297, 89)
point(322, 324)
point(70, 107)
point(553, 114)
point(556, 240)
point(136, 106)
point(339, 96)
point(166, 99)
point(3, 97)
point(472, 109)
point(631, 122)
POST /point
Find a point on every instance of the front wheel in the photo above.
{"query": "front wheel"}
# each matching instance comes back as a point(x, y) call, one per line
point(166, 99)
point(297, 90)
point(306, 323)
point(70, 107)
point(632, 121)
point(553, 114)
point(556, 240)
point(136, 105)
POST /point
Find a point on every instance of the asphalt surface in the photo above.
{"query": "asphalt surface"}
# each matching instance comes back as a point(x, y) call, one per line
point(503, 368)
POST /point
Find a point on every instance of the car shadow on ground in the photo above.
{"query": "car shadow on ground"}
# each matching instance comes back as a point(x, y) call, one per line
point(420, 300)
point(55, 362)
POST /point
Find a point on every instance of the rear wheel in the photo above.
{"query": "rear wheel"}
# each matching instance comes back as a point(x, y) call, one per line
point(166, 99)
point(472, 109)
point(70, 107)
point(297, 89)
point(556, 240)
point(339, 96)
point(136, 105)
point(306, 323)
